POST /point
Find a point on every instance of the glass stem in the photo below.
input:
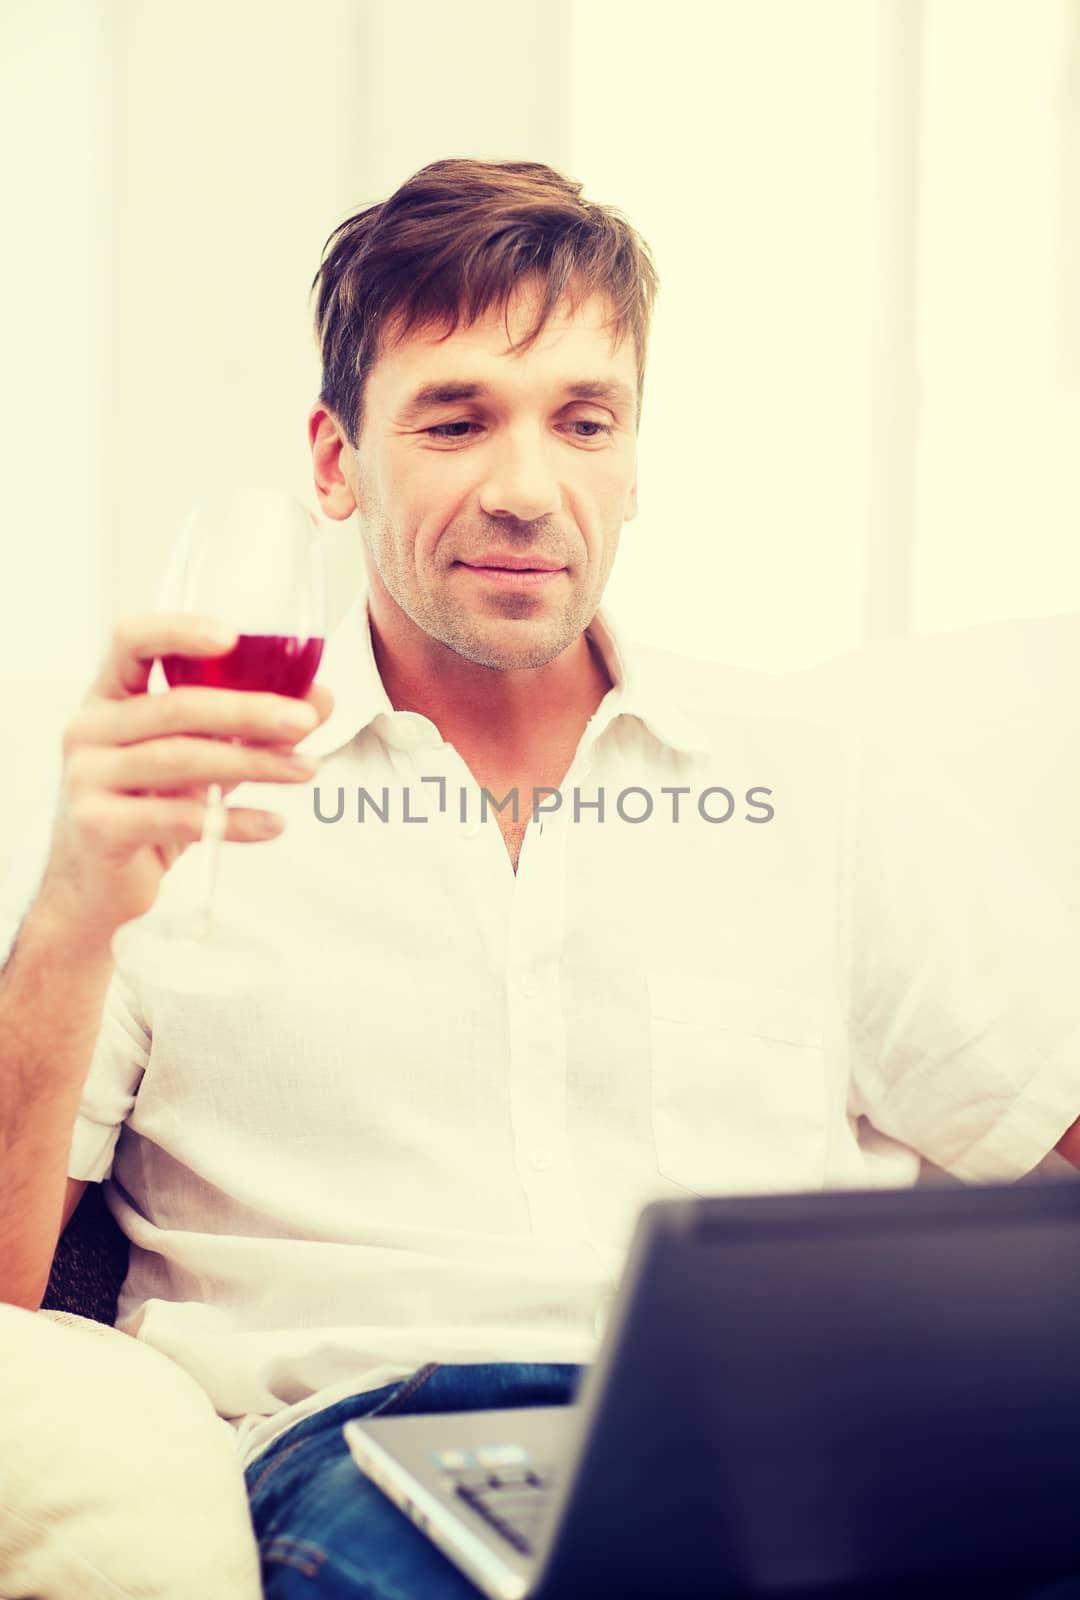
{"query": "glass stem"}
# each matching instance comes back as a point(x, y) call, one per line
point(214, 825)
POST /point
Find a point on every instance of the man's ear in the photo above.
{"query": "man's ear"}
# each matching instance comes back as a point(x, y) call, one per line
point(328, 444)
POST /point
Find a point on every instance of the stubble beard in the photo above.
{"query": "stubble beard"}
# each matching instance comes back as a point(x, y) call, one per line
point(517, 632)
point(508, 637)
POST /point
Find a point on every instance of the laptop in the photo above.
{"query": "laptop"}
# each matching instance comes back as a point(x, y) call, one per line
point(864, 1392)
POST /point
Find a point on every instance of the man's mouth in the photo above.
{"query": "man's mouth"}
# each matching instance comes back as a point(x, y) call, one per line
point(497, 561)
point(516, 577)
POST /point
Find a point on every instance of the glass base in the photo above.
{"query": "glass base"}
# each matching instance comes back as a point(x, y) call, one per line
point(185, 955)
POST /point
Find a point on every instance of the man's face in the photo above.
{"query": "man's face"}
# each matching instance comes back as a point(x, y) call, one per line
point(521, 467)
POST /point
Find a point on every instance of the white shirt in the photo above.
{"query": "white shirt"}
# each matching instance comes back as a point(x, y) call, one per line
point(430, 1136)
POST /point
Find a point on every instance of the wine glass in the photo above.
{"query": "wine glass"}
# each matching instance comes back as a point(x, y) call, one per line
point(253, 561)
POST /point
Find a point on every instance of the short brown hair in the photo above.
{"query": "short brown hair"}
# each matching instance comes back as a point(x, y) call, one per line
point(458, 237)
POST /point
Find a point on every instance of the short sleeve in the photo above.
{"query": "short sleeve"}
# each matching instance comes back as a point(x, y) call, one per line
point(120, 1058)
point(965, 978)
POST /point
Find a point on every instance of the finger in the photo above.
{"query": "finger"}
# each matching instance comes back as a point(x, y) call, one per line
point(214, 713)
point(167, 766)
point(320, 697)
point(242, 826)
point(136, 642)
point(113, 824)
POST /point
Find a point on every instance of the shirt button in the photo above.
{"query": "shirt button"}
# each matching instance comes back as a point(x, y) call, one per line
point(541, 1160)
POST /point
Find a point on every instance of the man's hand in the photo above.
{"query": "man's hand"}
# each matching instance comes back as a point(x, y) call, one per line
point(137, 767)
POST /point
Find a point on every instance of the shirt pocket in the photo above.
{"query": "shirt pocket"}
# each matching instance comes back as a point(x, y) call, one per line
point(738, 1085)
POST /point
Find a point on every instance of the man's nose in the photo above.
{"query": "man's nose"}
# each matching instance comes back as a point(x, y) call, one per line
point(520, 480)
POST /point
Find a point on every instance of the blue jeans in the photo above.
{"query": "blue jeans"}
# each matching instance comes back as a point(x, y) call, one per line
point(326, 1533)
point(325, 1530)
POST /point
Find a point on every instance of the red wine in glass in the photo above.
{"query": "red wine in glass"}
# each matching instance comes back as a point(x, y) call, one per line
point(250, 560)
point(276, 663)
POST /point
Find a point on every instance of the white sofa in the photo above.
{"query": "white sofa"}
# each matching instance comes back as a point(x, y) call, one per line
point(117, 1479)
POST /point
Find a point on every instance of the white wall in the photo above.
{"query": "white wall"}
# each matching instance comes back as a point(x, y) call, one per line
point(737, 138)
point(55, 263)
point(490, 81)
point(239, 144)
point(999, 491)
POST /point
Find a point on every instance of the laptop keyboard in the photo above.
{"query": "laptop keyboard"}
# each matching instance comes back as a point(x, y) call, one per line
point(505, 1487)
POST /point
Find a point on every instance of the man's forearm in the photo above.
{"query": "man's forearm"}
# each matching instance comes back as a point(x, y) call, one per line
point(52, 996)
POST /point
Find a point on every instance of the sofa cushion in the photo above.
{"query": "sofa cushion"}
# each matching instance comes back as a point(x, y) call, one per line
point(118, 1481)
point(90, 1263)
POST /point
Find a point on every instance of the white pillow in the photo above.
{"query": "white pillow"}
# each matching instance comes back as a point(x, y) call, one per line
point(117, 1476)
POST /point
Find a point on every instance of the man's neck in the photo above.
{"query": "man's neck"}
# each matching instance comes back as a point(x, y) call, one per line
point(509, 719)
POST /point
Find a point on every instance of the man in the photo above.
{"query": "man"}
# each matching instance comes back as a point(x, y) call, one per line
point(404, 1176)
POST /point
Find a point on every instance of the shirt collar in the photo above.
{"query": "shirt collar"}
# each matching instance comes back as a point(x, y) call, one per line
point(349, 670)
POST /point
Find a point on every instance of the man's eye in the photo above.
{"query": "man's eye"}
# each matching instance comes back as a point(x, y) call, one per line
point(441, 430)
